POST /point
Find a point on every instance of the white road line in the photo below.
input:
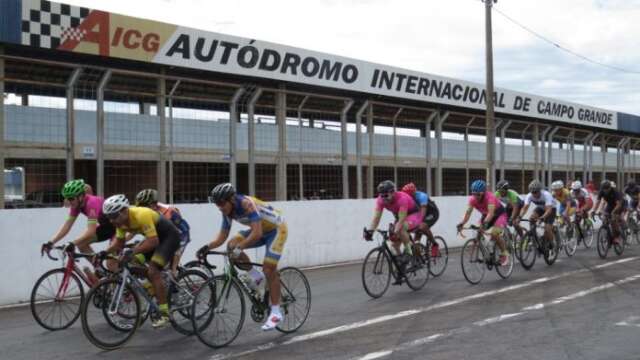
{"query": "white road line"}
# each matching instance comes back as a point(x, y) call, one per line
point(503, 317)
point(402, 314)
point(630, 321)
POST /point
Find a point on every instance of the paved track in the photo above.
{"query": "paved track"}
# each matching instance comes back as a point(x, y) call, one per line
point(580, 308)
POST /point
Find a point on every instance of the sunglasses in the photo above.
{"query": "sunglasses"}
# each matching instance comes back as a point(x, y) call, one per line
point(387, 195)
point(113, 216)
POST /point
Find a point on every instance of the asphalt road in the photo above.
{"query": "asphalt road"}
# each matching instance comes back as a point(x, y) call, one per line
point(580, 308)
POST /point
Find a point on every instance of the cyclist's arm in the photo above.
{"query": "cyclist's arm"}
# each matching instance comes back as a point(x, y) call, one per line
point(87, 234)
point(618, 206)
point(547, 211)
point(118, 243)
point(467, 215)
point(254, 235)
point(220, 239)
point(423, 211)
point(376, 220)
point(402, 216)
point(523, 210)
point(491, 210)
point(64, 230)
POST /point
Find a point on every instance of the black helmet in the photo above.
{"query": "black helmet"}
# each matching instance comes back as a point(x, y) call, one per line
point(502, 185)
point(535, 185)
point(605, 185)
point(386, 186)
point(147, 197)
point(222, 192)
point(631, 184)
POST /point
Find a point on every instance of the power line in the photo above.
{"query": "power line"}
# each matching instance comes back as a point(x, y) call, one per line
point(555, 44)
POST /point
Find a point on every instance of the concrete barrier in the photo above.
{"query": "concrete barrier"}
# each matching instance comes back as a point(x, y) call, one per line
point(321, 232)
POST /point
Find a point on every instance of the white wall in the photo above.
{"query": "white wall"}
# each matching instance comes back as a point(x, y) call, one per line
point(320, 232)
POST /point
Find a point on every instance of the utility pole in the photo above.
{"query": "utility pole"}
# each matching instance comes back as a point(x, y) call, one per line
point(490, 120)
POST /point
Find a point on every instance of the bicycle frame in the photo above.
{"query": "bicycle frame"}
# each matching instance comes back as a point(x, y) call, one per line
point(397, 274)
point(70, 267)
point(486, 253)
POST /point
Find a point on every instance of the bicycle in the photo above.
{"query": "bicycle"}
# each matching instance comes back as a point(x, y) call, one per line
point(564, 231)
point(380, 265)
point(479, 254)
point(584, 230)
point(633, 225)
point(438, 255)
point(605, 238)
point(223, 299)
point(533, 245)
point(61, 291)
point(112, 311)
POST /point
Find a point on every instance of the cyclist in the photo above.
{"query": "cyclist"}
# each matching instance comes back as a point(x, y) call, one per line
point(545, 209)
point(98, 226)
point(406, 212)
point(149, 198)
point(494, 216)
point(633, 191)
point(566, 204)
point(583, 200)
point(162, 240)
point(266, 228)
point(512, 201)
point(429, 213)
point(614, 206)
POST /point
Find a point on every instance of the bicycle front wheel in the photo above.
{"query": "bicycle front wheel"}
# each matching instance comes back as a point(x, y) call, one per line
point(417, 271)
point(472, 260)
point(588, 234)
point(571, 242)
point(528, 251)
point(180, 298)
point(295, 299)
point(111, 314)
point(551, 249)
point(507, 270)
point(438, 256)
point(603, 242)
point(220, 310)
point(56, 298)
point(619, 247)
point(376, 272)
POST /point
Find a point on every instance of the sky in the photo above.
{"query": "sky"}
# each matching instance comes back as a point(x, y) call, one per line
point(441, 37)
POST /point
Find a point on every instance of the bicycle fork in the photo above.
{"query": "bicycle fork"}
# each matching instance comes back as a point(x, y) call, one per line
point(115, 301)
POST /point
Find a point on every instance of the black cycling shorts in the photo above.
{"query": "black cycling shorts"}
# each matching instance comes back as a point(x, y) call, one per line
point(169, 237)
point(105, 229)
point(432, 215)
point(539, 210)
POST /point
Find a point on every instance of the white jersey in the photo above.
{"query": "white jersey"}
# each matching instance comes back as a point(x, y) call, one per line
point(544, 199)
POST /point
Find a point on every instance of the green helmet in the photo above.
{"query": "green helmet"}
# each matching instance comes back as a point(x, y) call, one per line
point(146, 197)
point(73, 188)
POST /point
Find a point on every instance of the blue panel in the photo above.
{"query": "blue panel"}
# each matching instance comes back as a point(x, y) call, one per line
point(10, 20)
point(629, 123)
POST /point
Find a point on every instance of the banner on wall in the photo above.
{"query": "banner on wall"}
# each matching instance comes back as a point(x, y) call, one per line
point(63, 27)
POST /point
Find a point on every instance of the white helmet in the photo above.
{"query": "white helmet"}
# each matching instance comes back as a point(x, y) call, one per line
point(557, 185)
point(114, 204)
point(576, 185)
point(613, 184)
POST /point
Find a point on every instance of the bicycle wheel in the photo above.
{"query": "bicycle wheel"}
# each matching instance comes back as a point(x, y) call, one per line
point(551, 252)
point(603, 242)
point(295, 299)
point(507, 270)
point(417, 271)
point(571, 242)
point(528, 252)
point(619, 247)
point(588, 234)
point(180, 298)
point(56, 299)
point(104, 307)
point(221, 311)
point(376, 272)
point(472, 260)
point(195, 265)
point(438, 256)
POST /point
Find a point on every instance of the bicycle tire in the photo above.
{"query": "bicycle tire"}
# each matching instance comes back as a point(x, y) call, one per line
point(588, 233)
point(550, 254)
point(105, 289)
point(419, 267)
point(619, 248)
point(218, 307)
point(382, 267)
point(506, 271)
point(474, 259)
point(528, 252)
point(293, 302)
point(438, 263)
point(195, 265)
point(179, 299)
point(36, 303)
point(603, 243)
point(570, 242)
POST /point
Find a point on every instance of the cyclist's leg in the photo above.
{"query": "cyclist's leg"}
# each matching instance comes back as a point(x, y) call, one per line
point(274, 241)
point(548, 227)
point(184, 240)
point(162, 255)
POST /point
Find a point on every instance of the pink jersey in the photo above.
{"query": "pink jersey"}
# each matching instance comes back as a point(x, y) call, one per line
point(401, 202)
point(92, 208)
point(483, 207)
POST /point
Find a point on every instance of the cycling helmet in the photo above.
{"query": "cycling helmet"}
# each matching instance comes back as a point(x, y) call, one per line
point(502, 185)
point(535, 185)
point(576, 185)
point(114, 204)
point(557, 185)
point(386, 186)
point(147, 197)
point(222, 192)
point(605, 185)
point(478, 186)
point(613, 184)
point(631, 184)
point(409, 188)
point(73, 188)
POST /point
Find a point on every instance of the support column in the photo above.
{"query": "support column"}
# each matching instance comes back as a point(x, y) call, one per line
point(524, 186)
point(161, 102)
point(359, 148)
point(71, 122)
point(173, 90)
point(503, 132)
point(2, 149)
point(603, 150)
point(281, 121)
point(251, 140)
point(234, 119)
point(593, 138)
point(395, 147)
point(543, 161)
point(439, 149)
point(550, 155)
point(345, 149)
point(370, 129)
point(427, 130)
point(536, 151)
point(572, 152)
point(100, 132)
point(585, 159)
point(300, 169)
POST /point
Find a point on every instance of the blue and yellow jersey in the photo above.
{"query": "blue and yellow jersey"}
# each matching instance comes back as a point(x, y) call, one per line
point(248, 209)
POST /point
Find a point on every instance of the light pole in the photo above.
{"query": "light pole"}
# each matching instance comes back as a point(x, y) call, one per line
point(490, 120)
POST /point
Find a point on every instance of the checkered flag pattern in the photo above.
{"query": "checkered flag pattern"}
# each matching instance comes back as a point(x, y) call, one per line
point(47, 24)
